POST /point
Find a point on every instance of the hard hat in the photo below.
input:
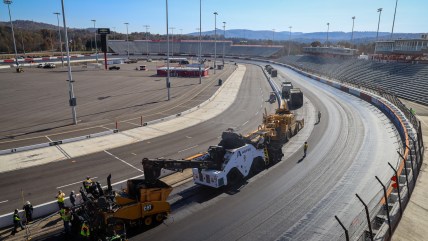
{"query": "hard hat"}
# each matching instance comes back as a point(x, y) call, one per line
point(28, 202)
point(59, 191)
point(88, 177)
point(72, 191)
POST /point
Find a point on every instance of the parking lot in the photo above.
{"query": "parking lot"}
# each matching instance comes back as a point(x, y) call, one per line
point(34, 104)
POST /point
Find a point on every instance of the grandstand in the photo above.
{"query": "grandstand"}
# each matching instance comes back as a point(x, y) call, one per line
point(405, 80)
point(191, 47)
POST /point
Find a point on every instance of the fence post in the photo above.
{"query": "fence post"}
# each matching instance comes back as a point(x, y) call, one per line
point(387, 206)
point(398, 188)
point(368, 216)
point(416, 154)
point(413, 171)
point(141, 120)
point(341, 224)
point(405, 172)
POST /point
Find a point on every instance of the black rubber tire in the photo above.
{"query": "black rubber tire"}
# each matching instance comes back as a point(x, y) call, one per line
point(234, 177)
point(257, 166)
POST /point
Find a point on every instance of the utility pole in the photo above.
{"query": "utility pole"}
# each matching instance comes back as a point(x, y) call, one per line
point(127, 40)
point(168, 84)
point(60, 41)
point(70, 77)
point(273, 36)
point(328, 28)
point(215, 39)
point(352, 35)
point(8, 2)
point(95, 38)
point(289, 41)
point(147, 40)
point(224, 36)
point(379, 10)
point(200, 41)
point(393, 21)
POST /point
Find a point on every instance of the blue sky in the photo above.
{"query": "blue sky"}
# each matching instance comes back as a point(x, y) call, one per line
point(303, 15)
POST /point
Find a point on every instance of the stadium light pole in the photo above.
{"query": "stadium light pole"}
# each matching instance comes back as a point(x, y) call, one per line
point(289, 41)
point(172, 41)
point(147, 40)
point(167, 55)
point(273, 36)
point(224, 36)
point(200, 41)
point(215, 39)
point(70, 77)
point(393, 21)
point(60, 41)
point(379, 10)
point(328, 28)
point(352, 35)
point(95, 39)
point(8, 2)
point(22, 42)
point(127, 39)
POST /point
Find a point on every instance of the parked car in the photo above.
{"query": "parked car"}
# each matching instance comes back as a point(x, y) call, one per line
point(49, 66)
point(114, 68)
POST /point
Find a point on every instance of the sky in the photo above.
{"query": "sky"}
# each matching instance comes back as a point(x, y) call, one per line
point(303, 15)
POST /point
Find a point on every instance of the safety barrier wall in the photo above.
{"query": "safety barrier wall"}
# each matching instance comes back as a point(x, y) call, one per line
point(405, 130)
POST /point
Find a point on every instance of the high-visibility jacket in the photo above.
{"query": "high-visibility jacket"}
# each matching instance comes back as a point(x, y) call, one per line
point(84, 231)
point(16, 217)
point(305, 147)
point(66, 216)
point(88, 183)
point(60, 197)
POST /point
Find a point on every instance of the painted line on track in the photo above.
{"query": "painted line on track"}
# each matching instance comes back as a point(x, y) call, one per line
point(4, 201)
point(188, 148)
point(136, 168)
point(73, 183)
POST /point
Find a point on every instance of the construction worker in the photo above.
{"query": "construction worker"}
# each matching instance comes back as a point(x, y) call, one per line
point(305, 148)
point(28, 208)
point(319, 116)
point(16, 222)
point(88, 184)
point(60, 199)
point(66, 218)
point(84, 231)
point(72, 198)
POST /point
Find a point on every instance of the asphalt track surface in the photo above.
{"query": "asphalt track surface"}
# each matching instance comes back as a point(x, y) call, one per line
point(40, 184)
point(34, 104)
point(294, 200)
point(298, 198)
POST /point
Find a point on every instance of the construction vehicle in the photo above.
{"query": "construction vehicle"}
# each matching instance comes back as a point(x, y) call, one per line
point(107, 212)
point(296, 98)
point(236, 157)
point(285, 89)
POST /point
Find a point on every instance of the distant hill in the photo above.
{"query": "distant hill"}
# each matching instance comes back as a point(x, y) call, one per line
point(30, 25)
point(307, 37)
